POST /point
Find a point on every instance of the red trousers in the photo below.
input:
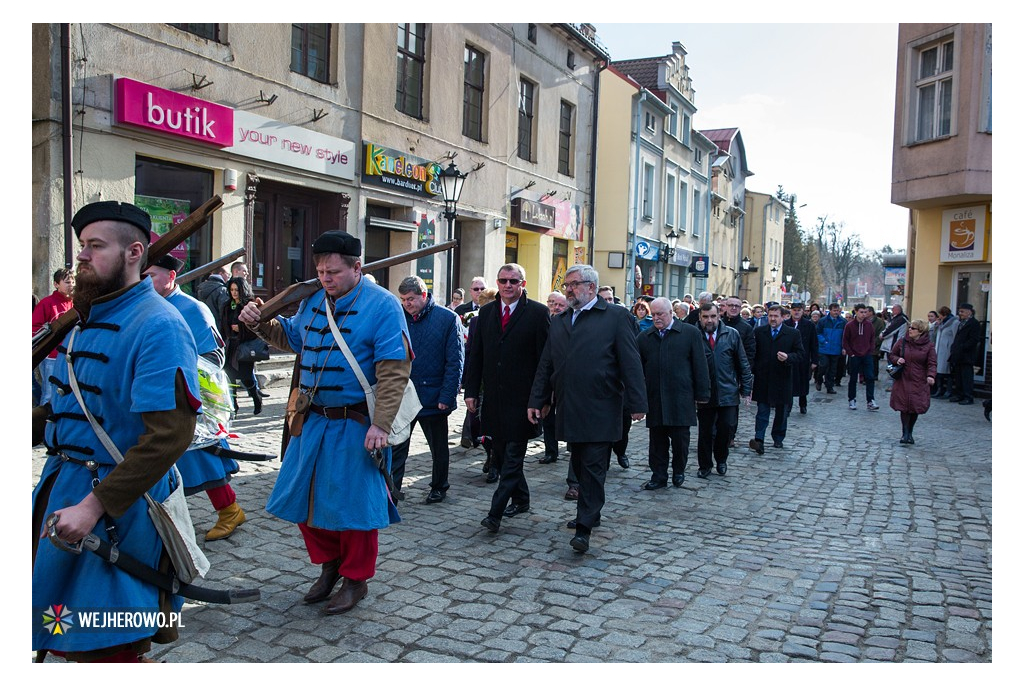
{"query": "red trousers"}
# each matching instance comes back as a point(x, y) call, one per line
point(221, 497)
point(357, 550)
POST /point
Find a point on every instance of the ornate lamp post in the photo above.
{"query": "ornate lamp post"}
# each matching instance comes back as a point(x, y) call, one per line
point(451, 188)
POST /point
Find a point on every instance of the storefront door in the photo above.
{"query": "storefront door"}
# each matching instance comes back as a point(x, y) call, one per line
point(281, 250)
point(974, 287)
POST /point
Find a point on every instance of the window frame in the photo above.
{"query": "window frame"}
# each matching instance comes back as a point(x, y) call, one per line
point(529, 118)
point(684, 205)
point(943, 83)
point(469, 88)
point(670, 199)
point(566, 129)
point(647, 199)
point(304, 51)
point(195, 31)
point(407, 62)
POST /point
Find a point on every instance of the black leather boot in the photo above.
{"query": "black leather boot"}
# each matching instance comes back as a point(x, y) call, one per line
point(257, 401)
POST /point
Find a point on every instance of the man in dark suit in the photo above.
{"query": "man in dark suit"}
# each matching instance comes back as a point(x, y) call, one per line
point(503, 356)
point(809, 339)
point(592, 364)
point(676, 376)
point(962, 354)
point(778, 350)
point(731, 379)
point(478, 286)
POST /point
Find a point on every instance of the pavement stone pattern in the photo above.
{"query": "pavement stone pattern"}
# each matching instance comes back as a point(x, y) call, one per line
point(843, 546)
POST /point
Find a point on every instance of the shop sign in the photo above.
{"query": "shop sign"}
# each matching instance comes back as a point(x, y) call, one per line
point(646, 250)
point(398, 171)
point(292, 146)
point(699, 265)
point(895, 275)
point(532, 214)
point(963, 235)
point(171, 113)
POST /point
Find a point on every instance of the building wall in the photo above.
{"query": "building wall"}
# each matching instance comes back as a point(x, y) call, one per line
point(765, 228)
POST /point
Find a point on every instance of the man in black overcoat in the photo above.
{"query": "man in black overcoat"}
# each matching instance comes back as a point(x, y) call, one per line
point(677, 379)
point(962, 354)
point(779, 350)
point(592, 364)
point(503, 356)
point(809, 339)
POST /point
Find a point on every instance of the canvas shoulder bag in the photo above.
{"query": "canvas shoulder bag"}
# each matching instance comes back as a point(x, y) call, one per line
point(401, 427)
point(171, 517)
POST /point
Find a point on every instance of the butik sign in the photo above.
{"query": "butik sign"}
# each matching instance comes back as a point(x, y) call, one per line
point(165, 111)
point(293, 146)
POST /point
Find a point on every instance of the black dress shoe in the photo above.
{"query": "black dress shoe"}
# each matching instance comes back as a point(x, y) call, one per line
point(722, 468)
point(435, 496)
point(571, 524)
point(263, 394)
point(966, 400)
point(831, 391)
point(654, 485)
point(803, 410)
point(513, 509)
point(548, 459)
point(910, 439)
point(757, 445)
point(492, 476)
point(703, 473)
point(777, 443)
point(490, 524)
point(677, 480)
point(955, 398)
point(624, 462)
point(580, 543)
point(817, 386)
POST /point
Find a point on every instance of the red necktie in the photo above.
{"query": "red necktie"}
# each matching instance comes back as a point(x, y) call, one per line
point(506, 315)
point(711, 341)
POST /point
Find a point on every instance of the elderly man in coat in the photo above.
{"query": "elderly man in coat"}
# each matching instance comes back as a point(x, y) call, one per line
point(809, 339)
point(779, 350)
point(942, 338)
point(677, 380)
point(592, 364)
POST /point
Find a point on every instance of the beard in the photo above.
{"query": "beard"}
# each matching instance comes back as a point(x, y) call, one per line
point(90, 286)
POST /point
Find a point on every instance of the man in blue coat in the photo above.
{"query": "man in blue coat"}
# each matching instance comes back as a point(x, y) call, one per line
point(436, 370)
point(830, 348)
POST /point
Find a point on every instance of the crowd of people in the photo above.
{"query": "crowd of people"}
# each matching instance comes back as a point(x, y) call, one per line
point(580, 370)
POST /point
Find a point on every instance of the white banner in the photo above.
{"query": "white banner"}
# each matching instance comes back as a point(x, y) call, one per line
point(292, 146)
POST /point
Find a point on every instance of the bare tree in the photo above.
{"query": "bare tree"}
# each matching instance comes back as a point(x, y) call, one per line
point(843, 252)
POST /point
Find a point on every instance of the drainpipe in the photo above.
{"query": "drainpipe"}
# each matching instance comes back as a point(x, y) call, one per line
point(65, 125)
point(764, 252)
point(631, 243)
point(591, 220)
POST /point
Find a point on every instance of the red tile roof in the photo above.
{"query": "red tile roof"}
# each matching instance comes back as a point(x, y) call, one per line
point(722, 137)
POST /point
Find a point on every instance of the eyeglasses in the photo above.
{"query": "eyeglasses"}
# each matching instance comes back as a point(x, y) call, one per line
point(572, 284)
point(479, 289)
point(509, 281)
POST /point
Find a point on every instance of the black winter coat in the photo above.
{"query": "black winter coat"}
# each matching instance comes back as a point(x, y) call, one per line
point(773, 380)
point(676, 374)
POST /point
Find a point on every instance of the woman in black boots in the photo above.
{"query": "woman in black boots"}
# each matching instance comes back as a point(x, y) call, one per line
point(243, 372)
point(911, 391)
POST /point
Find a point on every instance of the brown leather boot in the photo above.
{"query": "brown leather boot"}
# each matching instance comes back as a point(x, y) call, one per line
point(321, 589)
point(347, 597)
point(228, 518)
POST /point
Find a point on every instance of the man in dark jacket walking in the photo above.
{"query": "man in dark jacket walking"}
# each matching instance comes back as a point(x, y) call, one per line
point(809, 339)
point(213, 292)
point(779, 350)
point(830, 348)
point(962, 354)
point(436, 341)
point(730, 377)
point(504, 352)
point(592, 364)
point(676, 376)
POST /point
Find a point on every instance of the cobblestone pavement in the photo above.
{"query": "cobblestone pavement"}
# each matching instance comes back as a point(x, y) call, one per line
point(842, 546)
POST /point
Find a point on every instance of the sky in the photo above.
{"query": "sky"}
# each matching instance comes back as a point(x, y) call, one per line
point(814, 104)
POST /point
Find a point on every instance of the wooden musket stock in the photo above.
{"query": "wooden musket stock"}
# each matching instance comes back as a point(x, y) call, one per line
point(209, 267)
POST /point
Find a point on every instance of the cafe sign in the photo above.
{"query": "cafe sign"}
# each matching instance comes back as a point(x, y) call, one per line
point(396, 170)
point(963, 235)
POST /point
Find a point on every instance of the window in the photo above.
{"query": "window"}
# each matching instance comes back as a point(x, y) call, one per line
point(526, 106)
point(696, 212)
point(570, 59)
point(673, 120)
point(686, 129)
point(670, 201)
point(649, 122)
point(311, 50)
point(683, 197)
point(473, 94)
point(698, 157)
point(648, 198)
point(207, 31)
point(531, 33)
point(565, 142)
point(411, 63)
point(933, 85)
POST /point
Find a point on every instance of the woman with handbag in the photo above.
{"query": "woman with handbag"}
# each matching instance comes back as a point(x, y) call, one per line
point(911, 390)
point(241, 368)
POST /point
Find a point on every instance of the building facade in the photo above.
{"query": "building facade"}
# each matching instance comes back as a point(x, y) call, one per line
point(302, 128)
point(942, 169)
point(763, 240)
point(729, 173)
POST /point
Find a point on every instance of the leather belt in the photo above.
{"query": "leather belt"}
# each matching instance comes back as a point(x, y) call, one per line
point(354, 412)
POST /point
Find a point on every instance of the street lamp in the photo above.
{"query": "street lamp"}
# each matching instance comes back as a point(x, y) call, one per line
point(672, 239)
point(789, 279)
point(745, 264)
point(775, 273)
point(451, 188)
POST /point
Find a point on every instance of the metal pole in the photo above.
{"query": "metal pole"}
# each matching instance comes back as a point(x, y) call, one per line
point(66, 135)
point(450, 275)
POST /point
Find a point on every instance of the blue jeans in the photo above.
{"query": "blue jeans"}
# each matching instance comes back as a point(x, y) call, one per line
point(46, 368)
point(764, 410)
point(856, 366)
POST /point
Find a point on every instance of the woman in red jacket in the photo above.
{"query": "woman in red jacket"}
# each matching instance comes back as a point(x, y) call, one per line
point(911, 392)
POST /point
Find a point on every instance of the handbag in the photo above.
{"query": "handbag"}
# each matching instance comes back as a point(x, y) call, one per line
point(401, 427)
point(251, 351)
point(896, 370)
point(171, 517)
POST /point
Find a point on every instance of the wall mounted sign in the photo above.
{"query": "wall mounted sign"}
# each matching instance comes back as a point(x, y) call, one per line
point(165, 111)
point(396, 170)
point(292, 146)
point(963, 234)
point(646, 250)
point(532, 214)
point(699, 265)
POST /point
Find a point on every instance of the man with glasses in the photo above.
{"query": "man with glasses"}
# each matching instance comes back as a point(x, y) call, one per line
point(479, 285)
point(592, 364)
point(471, 425)
point(503, 355)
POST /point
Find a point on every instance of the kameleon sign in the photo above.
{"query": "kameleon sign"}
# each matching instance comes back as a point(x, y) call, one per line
point(293, 146)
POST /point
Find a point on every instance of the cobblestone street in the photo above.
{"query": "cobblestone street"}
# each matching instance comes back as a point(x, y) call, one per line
point(843, 546)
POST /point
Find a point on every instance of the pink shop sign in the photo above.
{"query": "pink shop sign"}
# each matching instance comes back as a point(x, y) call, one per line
point(164, 111)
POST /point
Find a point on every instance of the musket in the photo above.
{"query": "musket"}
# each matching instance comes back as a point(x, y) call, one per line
point(50, 335)
point(209, 267)
point(300, 291)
